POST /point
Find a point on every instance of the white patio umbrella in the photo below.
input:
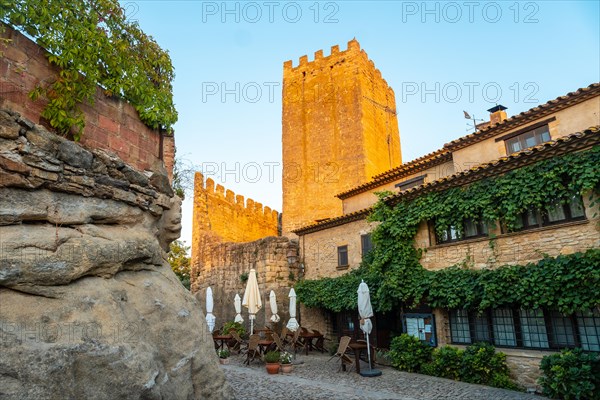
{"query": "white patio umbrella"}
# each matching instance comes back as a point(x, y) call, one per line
point(237, 302)
point(365, 310)
point(252, 299)
point(292, 324)
point(273, 304)
point(210, 318)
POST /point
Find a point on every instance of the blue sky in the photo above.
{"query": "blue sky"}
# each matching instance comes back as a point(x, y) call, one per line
point(439, 57)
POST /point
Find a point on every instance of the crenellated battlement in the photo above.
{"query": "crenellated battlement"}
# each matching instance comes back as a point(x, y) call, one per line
point(353, 47)
point(336, 56)
point(221, 213)
point(219, 192)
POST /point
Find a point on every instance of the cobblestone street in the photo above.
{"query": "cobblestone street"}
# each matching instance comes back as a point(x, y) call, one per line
point(318, 379)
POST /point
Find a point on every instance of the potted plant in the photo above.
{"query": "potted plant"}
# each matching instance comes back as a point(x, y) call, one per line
point(272, 362)
point(286, 362)
point(223, 356)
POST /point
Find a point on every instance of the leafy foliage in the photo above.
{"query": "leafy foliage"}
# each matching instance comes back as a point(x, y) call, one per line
point(408, 353)
point(566, 283)
point(236, 326)
point(272, 357)
point(481, 364)
point(478, 363)
point(571, 375)
point(94, 45)
point(223, 353)
point(180, 261)
point(446, 362)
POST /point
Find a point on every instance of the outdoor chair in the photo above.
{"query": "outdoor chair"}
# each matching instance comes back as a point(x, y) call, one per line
point(284, 333)
point(345, 361)
point(239, 342)
point(281, 347)
point(252, 352)
point(320, 343)
point(295, 342)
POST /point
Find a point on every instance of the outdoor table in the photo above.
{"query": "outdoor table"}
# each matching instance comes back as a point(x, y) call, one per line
point(308, 338)
point(221, 340)
point(263, 332)
point(263, 345)
point(357, 348)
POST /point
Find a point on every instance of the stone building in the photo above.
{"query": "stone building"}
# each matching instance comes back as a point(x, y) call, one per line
point(335, 246)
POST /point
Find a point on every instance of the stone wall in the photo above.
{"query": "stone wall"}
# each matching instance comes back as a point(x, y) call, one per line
point(319, 249)
point(339, 129)
point(221, 214)
point(514, 248)
point(222, 268)
point(86, 292)
point(111, 124)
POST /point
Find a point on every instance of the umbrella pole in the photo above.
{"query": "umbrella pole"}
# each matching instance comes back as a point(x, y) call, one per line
point(251, 326)
point(368, 350)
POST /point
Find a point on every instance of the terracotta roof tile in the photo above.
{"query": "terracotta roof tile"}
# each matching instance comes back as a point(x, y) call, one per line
point(534, 113)
point(411, 167)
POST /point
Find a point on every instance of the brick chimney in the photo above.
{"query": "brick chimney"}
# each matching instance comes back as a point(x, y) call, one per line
point(497, 114)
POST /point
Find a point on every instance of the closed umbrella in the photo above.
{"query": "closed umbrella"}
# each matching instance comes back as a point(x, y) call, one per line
point(273, 304)
point(210, 318)
point(252, 298)
point(365, 310)
point(237, 302)
point(292, 324)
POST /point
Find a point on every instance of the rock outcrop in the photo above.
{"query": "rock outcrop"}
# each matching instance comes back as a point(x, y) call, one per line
point(89, 308)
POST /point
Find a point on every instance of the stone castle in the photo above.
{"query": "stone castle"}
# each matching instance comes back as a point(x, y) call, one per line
point(341, 146)
point(339, 128)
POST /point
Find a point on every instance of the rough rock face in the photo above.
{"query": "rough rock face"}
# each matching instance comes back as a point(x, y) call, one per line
point(89, 308)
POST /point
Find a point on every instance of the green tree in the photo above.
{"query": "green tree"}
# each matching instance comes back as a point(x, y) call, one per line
point(180, 261)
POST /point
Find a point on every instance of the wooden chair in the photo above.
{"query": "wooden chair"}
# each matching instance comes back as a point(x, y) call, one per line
point(252, 352)
point(284, 333)
point(320, 343)
point(281, 347)
point(295, 342)
point(341, 353)
point(239, 342)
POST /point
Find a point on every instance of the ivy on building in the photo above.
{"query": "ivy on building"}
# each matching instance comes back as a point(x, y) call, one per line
point(95, 45)
point(566, 283)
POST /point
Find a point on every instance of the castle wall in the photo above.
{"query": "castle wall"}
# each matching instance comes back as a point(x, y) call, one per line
point(339, 129)
point(221, 215)
point(111, 124)
point(223, 265)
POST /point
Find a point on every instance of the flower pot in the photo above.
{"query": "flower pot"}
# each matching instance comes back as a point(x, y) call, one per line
point(224, 361)
point(273, 368)
point(286, 368)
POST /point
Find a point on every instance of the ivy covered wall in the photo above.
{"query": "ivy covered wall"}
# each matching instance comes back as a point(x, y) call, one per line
point(394, 272)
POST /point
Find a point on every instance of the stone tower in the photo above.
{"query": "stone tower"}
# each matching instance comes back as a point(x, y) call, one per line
point(339, 129)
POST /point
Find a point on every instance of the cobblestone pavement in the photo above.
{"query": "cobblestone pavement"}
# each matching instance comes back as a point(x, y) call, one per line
point(318, 379)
